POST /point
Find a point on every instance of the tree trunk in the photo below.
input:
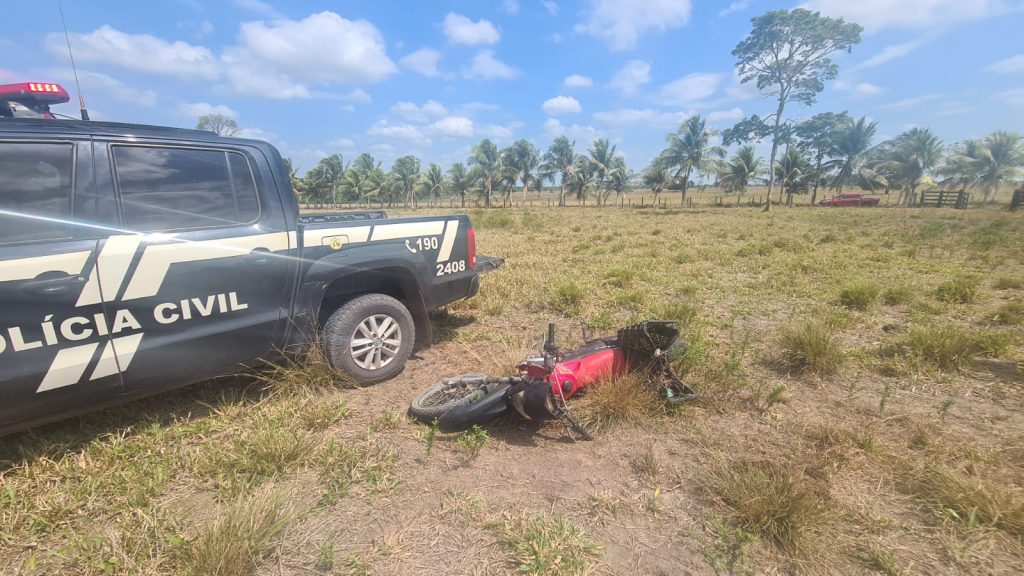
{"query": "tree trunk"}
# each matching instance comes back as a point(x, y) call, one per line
point(487, 199)
point(775, 150)
point(463, 199)
point(526, 190)
point(817, 179)
point(561, 195)
point(686, 184)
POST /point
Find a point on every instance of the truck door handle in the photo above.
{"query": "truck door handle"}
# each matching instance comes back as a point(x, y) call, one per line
point(260, 256)
point(53, 286)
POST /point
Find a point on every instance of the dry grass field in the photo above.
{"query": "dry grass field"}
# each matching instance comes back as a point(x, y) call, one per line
point(861, 413)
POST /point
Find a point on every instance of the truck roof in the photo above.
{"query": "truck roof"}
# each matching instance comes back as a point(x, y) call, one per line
point(82, 127)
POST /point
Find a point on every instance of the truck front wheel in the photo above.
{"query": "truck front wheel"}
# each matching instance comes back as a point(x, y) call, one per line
point(370, 337)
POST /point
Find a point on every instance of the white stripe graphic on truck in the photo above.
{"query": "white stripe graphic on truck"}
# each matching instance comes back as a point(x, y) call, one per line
point(28, 268)
point(116, 356)
point(380, 232)
point(110, 269)
point(157, 259)
point(68, 366)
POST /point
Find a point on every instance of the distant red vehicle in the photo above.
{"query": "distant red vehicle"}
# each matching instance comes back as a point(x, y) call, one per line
point(849, 200)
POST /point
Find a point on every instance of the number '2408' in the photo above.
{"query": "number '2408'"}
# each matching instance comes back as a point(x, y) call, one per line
point(451, 267)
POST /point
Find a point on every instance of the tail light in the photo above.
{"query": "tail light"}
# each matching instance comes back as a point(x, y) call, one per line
point(471, 237)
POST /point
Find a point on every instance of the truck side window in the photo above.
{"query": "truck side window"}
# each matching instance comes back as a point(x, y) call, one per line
point(35, 191)
point(165, 188)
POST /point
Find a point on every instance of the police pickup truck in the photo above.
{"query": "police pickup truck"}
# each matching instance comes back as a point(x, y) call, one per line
point(135, 259)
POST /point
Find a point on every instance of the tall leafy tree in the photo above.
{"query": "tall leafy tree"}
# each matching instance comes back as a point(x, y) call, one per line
point(787, 54)
point(462, 180)
point(433, 182)
point(332, 169)
point(219, 124)
point(583, 178)
point(620, 179)
point(560, 159)
point(740, 171)
point(690, 149)
point(793, 171)
point(852, 143)
point(487, 160)
point(816, 137)
point(406, 170)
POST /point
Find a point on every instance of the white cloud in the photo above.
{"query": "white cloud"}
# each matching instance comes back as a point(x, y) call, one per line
point(858, 89)
point(407, 132)
point(423, 61)
point(452, 127)
point(1011, 65)
point(876, 15)
point(1014, 97)
point(553, 128)
point(461, 30)
point(510, 7)
point(630, 77)
point(259, 7)
point(321, 48)
point(644, 117)
point(911, 102)
point(411, 111)
point(889, 53)
point(197, 109)
point(577, 81)
point(726, 115)
point(550, 6)
point(561, 105)
point(620, 23)
point(138, 52)
point(498, 131)
point(690, 88)
point(358, 96)
point(738, 6)
point(94, 82)
point(342, 143)
point(485, 66)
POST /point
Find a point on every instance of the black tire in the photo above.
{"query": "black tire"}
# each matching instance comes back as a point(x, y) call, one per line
point(427, 405)
point(378, 356)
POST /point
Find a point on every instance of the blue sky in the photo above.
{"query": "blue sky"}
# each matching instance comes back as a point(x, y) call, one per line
point(433, 78)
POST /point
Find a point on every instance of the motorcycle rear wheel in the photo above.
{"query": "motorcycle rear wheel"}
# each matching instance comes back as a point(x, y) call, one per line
point(449, 393)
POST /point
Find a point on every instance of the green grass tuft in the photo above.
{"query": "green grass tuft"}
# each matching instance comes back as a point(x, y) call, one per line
point(859, 295)
point(567, 298)
point(948, 347)
point(545, 546)
point(963, 290)
point(811, 346)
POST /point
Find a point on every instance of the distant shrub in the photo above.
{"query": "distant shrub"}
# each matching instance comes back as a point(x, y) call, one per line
point(859, 295)
point(963, 290)
point(483, 219)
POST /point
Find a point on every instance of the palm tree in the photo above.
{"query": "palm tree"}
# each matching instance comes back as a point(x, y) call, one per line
point(462, 180)
point(560, 159)
point(487, 160)
point(689, 149)
point(406, 170)
point(432, 182)
point(603, 162)
point(656, 178)
point(1000, 158)
point(791, 170)
point(583, 177)
point(742, 169)
point(522, 160)
point(620, 178)
point(851, 145)
point(907, 159)
point(817, 137)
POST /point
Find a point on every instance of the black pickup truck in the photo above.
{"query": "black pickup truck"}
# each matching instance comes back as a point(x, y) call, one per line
point(135, 259)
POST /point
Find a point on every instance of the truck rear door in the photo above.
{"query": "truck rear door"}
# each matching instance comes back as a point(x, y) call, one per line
point(210, 282)
point(56, 350)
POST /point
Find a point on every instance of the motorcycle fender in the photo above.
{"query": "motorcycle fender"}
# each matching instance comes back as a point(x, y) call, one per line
point(479, 412)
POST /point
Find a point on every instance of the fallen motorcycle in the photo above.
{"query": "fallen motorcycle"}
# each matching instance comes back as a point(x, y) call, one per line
point(544, 383)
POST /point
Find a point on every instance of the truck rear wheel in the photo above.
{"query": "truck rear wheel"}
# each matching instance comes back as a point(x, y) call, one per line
point(370, 337)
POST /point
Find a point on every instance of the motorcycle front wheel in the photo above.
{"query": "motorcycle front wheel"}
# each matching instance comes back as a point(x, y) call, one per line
point(450, 393)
